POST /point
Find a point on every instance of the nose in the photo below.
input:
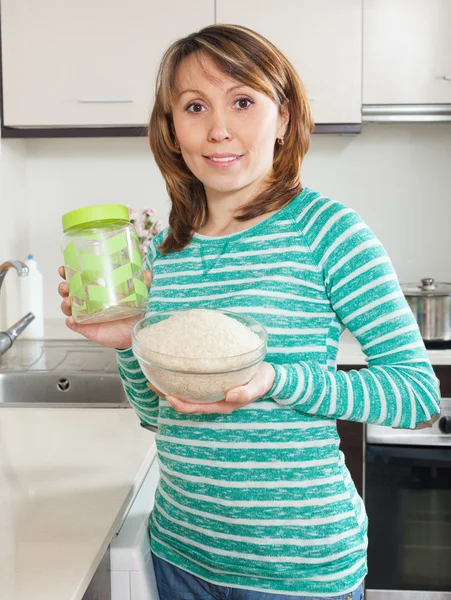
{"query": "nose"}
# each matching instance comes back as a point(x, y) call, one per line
point(218, 129)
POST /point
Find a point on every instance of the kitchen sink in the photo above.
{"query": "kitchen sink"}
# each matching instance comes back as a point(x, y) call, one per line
point(45, 373)
point(77, 389)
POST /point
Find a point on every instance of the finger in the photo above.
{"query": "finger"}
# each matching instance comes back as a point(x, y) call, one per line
point(63, 289)
point(429, 423)
point(245, 393)
point(148, 277)
point(66, 308)
point(258, 386)
point(70, 322)
point(156, 390)
point(62, 272)
point(82, 329)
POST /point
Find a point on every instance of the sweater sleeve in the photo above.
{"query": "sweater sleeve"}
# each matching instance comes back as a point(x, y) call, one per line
point(399, 388)
point(144, 401)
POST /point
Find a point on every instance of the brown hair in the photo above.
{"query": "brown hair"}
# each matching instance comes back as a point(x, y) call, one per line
point(252, 60)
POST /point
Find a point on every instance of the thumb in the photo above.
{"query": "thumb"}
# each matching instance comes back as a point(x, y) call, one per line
point(148, 277)
point(245, 393)
point(258, 386)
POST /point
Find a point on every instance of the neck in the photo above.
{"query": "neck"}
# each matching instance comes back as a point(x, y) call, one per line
point(222, 208)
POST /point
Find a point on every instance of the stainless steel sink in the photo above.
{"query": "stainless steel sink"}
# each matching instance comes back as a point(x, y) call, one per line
point(60, 373)
point(95, 390)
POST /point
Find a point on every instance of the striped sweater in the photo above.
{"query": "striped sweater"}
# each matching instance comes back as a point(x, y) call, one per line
point(261, 498)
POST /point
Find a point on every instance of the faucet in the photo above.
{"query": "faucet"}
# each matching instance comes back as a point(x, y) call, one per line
point(7, 337)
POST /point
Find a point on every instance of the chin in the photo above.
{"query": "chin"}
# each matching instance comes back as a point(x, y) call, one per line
point(225, 184)
point(225, 188)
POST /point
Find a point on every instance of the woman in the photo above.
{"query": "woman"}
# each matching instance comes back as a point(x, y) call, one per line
point(255, 501)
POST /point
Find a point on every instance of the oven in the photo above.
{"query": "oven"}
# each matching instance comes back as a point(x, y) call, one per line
point(407, 493)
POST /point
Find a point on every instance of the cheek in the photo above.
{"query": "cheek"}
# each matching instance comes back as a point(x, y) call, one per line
point(184, 129)
point(260, 133)
point(262, 145)
point(188, 136)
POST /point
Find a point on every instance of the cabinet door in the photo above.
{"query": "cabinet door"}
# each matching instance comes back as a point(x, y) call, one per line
point(89, 62)
point(407, 52)
point(323, 41)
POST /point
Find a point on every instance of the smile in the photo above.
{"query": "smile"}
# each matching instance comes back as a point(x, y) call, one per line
point(223, 162)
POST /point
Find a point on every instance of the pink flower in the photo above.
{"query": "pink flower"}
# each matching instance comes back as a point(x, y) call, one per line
point(146, 225)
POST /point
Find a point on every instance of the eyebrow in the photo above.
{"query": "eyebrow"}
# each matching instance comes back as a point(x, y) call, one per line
point(234, 87)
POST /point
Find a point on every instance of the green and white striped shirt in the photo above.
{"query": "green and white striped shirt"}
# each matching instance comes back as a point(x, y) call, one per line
point(261, 498)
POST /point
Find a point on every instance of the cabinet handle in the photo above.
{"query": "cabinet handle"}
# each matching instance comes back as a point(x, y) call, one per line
point(447, 77)
point(103, 100)
point(312, 98)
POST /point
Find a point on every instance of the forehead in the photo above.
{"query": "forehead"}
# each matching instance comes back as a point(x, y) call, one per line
point(196, 70)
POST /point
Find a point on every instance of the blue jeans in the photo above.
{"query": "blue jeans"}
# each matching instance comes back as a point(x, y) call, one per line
point(176, 584)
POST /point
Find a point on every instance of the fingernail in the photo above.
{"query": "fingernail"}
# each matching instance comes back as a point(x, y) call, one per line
point(232, 397)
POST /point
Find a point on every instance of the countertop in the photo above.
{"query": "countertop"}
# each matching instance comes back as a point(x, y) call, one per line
point(349, 352)
point(66, 479)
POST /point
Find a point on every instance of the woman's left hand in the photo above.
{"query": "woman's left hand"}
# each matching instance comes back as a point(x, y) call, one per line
point(258, 386)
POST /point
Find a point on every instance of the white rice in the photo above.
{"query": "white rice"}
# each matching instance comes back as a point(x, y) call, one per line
point(215, 353)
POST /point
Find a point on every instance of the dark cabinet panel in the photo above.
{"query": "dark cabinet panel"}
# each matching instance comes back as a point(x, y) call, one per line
point(351, 436)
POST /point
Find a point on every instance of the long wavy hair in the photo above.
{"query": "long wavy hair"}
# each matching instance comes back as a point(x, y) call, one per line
point(251, 59)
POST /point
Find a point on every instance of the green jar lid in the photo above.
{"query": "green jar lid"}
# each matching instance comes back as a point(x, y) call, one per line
point(91, 214)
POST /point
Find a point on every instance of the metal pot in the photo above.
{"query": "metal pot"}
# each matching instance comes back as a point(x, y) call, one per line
point(431, 305)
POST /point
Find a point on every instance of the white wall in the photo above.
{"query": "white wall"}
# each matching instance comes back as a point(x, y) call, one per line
point(14, 222)
point(398, 177)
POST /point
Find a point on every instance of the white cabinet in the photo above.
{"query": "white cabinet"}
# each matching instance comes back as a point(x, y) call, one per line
point(89, 62)
point(407, 52)
point(322, 39)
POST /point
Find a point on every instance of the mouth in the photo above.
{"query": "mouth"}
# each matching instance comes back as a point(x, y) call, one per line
point(223, 160)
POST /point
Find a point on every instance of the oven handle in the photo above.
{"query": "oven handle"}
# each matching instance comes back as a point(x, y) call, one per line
point(397, 453)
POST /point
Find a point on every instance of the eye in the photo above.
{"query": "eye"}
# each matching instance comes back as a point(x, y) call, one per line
point(242, 102)
point(195, 106)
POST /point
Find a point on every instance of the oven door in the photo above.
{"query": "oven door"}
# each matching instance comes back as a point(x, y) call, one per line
point(408, 501)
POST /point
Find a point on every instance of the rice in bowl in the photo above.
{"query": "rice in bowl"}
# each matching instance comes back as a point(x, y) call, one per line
point(198, 355)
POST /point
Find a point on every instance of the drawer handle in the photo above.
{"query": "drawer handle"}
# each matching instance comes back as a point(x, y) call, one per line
point(103, 100)
point(447, 77)
point(312, 98)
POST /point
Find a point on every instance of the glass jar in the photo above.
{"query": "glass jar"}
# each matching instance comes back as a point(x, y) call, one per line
point(103, 263)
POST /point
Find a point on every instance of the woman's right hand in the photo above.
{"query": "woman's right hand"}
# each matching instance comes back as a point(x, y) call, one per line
point(113, 334)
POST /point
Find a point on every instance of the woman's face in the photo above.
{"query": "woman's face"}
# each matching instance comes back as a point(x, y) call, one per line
point(226, 130)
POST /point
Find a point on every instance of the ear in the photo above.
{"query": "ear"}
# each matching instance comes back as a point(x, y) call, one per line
point(170, 122)
point(284, 118)
point(174, 135)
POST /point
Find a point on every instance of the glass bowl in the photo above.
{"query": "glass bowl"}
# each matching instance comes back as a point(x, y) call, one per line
point(205, 379)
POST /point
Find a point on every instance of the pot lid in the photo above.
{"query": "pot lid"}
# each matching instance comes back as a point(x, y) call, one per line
point(427, 287)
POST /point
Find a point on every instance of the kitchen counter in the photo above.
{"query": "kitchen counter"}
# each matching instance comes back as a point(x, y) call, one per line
point(350, 353)
point(66, 479)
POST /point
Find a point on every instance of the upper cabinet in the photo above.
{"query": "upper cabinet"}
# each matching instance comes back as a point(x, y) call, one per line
point(321, 38)
point(407, 52)
point(93, 63)
point(89, 62)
